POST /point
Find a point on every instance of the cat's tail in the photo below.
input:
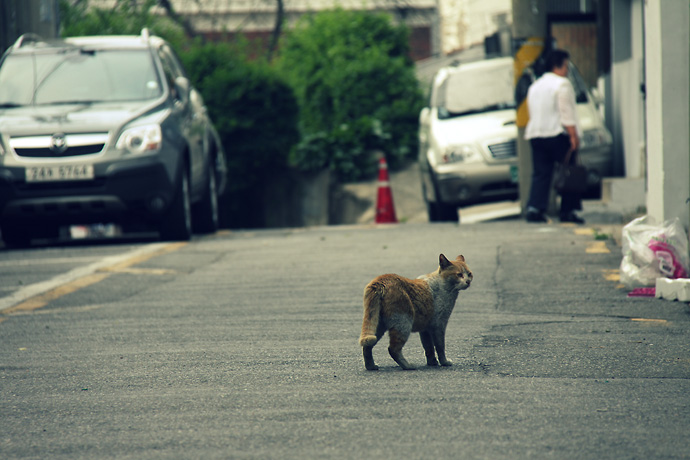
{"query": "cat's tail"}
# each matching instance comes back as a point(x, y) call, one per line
point(372, 312)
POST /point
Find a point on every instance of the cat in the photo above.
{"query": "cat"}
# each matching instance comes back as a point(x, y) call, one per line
point(400, 306)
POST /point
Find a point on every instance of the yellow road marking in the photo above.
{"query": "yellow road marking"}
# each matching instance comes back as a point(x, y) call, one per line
point(41, 300)
point(584, 231)
point(597, 247)
point(143, 257)
point(649, 320)
point(612, 274)
point(139, 271)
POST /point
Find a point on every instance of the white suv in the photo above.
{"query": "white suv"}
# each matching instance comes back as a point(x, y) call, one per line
point(467, 137)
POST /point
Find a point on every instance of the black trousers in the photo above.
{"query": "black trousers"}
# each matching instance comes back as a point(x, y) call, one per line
point(545, 152)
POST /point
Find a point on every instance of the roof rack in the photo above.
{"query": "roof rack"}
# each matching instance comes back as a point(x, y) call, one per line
point(25, 39)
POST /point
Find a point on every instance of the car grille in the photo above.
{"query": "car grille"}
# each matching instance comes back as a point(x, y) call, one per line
point(504, 150)
point(70, 145)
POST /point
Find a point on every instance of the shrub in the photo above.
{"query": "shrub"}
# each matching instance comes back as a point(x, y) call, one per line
point(357, 91)
point(255, 113)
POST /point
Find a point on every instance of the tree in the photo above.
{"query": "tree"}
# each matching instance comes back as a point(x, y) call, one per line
point(357, 91)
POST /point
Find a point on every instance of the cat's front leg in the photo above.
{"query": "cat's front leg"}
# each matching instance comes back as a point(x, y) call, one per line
point(428, 344)
point(439, 338)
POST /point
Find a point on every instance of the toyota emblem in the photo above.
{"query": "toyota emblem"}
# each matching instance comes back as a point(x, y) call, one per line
point(58, 144)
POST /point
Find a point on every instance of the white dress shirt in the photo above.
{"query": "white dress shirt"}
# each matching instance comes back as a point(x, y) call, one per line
point(551, 106)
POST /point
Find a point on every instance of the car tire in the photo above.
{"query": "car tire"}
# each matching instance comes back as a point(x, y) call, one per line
point(205, 214)
point(441, 212)
point(15, 236)
point(177, 224)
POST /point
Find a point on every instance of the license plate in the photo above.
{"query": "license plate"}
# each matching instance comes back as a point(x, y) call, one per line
point(59, 173)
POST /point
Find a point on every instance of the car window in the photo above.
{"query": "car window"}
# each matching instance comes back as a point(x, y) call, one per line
point(169, 56)
point(578, 83)
point(75, 76)
point(477, 89)
point(171, 69)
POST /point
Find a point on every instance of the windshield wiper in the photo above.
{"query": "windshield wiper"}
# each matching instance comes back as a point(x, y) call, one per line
point(76, 101)
point(9, 105)
point(488, 108)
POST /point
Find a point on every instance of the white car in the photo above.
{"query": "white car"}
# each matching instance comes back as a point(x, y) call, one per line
point(467, 137)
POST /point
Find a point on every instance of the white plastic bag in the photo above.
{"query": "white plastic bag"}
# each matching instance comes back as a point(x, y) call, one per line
point(652, 251)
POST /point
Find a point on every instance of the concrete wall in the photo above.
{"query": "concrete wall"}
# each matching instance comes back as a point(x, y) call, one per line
point(627, 111)
point(667, 53)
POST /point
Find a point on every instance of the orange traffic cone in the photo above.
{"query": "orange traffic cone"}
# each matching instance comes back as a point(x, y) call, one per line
point(385, 210)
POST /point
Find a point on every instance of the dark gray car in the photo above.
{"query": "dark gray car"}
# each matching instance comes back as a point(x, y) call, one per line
point(104, 130)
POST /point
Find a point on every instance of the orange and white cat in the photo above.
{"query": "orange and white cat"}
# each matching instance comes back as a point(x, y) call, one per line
point(401, 306)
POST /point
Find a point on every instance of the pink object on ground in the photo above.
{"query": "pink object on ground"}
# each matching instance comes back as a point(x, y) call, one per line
point(642, 292)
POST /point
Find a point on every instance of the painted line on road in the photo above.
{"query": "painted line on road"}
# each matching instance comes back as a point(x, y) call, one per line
point(597, 247)
point(40, 301)
point(649, 320)
point(38, 295)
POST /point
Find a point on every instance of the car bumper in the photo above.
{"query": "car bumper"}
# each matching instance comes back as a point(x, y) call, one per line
point(475, 184)
point(599, 159)
point(140, 188)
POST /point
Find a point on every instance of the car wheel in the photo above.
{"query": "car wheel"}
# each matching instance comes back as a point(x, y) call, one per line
point(441, 212)
point(177, 224)
point(205, 217)
point(15, 236)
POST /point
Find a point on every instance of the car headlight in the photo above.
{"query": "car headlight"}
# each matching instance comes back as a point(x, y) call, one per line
point(141, 139)
point(595, 138)
point(461, 154)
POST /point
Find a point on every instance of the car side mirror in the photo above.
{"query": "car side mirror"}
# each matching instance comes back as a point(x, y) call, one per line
point(424, 116)
point(182, 89)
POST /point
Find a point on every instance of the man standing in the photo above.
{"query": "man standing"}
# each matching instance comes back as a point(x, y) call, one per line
point(554, 134)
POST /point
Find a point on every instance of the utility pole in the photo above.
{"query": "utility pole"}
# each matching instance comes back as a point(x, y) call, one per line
point(529, 35)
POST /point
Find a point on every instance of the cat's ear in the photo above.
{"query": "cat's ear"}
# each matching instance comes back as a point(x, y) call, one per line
point(461, 258)
point(443, 262)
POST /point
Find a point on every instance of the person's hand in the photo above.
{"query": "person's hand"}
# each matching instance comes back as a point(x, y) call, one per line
point(574, 142)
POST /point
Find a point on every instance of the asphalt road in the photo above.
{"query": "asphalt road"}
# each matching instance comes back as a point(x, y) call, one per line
point(244, 345)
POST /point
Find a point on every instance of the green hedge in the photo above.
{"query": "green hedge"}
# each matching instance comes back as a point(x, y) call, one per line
point(255, 113)
point(357, 91)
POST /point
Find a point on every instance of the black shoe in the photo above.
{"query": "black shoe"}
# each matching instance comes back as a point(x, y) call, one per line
point(572, 217)
point(536, 217)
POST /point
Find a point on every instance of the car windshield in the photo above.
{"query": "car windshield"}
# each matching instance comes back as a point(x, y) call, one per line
point(476, 90)
point(78, 76)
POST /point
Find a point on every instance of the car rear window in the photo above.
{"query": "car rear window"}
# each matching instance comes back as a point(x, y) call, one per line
point(78, 76)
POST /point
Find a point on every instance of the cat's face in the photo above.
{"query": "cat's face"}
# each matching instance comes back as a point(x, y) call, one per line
point(455, 272)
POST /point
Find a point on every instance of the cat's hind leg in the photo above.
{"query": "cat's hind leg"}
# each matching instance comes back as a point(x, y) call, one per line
point(428, 344)
point(398, 338)
point(369, 358)
point(367, 349)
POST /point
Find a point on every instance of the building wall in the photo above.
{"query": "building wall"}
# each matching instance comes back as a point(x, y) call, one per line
point(667, 56)
point(580, 40)
point(627, 108)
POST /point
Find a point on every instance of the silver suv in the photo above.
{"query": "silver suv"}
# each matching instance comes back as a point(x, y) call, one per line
point(104, 130)
point(467, 137)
